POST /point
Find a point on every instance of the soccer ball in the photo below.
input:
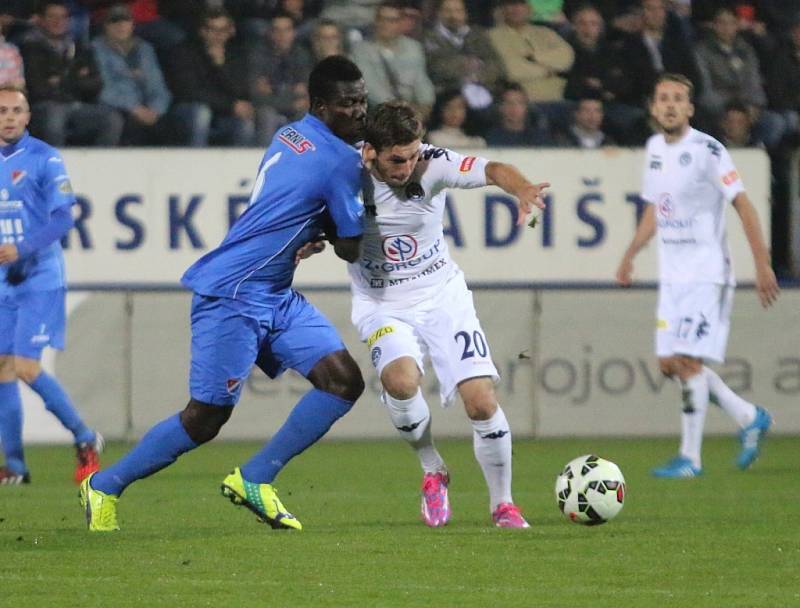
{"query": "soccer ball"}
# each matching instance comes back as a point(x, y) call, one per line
point(590, 490)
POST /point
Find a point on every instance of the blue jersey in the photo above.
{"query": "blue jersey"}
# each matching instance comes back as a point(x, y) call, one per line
point(33, 184)
point(306, 173)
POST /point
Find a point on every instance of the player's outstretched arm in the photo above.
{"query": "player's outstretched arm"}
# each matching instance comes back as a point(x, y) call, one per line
point(509, 178)
point(644, 232)
point(766, 283)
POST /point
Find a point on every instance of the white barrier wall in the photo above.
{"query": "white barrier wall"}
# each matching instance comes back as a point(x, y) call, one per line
point(574, 362)
point(145, 216)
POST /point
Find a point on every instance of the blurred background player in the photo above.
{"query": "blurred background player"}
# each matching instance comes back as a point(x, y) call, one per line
point(411, 300)
point(35, 212)
point(245, 312)
point(689, 179)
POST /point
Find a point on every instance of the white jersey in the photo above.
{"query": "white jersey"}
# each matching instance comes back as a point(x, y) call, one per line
point(404, 256)
point(691, 182)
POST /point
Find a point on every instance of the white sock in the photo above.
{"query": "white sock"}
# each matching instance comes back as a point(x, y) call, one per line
point(412, 419)
point(491, 442)
point(741, 410)
point(693, 417)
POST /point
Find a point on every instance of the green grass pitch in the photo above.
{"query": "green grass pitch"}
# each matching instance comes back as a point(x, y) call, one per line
point(728, 539)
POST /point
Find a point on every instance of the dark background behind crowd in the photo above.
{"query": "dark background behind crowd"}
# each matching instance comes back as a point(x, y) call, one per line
point(541, 73)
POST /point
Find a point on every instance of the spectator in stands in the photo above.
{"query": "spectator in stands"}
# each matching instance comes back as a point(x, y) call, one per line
point(354, 16)
point(161, 24)
point(11, 72)
point(208, 78)
point(132, 80)
point(461, 56)
point(534, 56)
point(615, 68)
point(302, 13)
point(782, 77)
point(448, 118)
point(14, 19)
point(279, 70)
point(730, 71)
point(64, 84)
point(667, 41)
point(394, 65)
point(326, 40)
point(515, 129)
point(736, 128)
point(586, 129)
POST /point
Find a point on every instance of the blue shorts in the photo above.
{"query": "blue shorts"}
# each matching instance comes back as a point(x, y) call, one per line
point(229, 336)
point(32, 320)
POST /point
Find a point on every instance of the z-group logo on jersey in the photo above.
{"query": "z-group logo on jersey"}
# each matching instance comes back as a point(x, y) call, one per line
point(296, 140)
point(400, 248)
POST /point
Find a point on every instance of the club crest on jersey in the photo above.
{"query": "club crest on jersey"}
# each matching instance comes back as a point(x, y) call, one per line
point(685, 159)
point(232, 385)
point(466, 164)
point(296, 141)
point(655, 163)
point(399, 248)
point(415, 191)
point(17, 176)
point(665, 206)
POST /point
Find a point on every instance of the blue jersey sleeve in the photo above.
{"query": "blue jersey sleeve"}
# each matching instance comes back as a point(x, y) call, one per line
point(55, 184)
point(343, 198)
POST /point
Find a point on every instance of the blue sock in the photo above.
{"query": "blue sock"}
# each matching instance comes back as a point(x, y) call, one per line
point(159, 448)
point(60, 405)
point(11, 427)
point(310, 419)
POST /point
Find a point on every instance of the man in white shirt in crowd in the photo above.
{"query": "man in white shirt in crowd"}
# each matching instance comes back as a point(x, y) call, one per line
point(689, 180)
point(410, 300)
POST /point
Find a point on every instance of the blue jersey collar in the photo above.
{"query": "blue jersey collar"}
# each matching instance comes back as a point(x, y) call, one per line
point(10, 149)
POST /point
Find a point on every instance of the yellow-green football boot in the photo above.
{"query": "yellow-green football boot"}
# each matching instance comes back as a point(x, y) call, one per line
point(261, 499)
point(100, 508)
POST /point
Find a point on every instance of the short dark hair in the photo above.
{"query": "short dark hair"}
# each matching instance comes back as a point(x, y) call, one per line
point(393, 123)
point(210, 14)
point(329, 71)
point(675, 77)
point(41, 9)
point(508, 87)
point(736, 105)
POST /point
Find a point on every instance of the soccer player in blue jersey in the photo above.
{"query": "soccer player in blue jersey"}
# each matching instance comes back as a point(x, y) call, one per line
point(244, 310)
point(35, 212)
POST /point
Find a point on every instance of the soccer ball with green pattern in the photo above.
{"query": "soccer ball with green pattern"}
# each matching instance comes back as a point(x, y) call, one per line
point(590, 490)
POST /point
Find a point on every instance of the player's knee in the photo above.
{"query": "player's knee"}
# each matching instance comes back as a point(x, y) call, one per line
point(338, 374)
point(203, 421)
point(400, 385)
point(481, 406)
point(27, 370)
point(666, 366)
point(7, 370)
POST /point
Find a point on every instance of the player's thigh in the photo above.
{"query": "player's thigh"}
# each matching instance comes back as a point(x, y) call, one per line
point(456, 342)
point(38, 321)
point(694, 320)
point(301, 336)
point(393, 343)
point(224, 347)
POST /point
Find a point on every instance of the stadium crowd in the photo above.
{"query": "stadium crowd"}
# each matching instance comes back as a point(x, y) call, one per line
point(532, 73)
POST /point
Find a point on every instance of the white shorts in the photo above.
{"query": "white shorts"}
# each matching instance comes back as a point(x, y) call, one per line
point(444, 327)
point(694, 319)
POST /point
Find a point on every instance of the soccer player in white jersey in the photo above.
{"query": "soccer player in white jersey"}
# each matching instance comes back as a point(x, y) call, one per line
point(689, 181)
point(411, 300)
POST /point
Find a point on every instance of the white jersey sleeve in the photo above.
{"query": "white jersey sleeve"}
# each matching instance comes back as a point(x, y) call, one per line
point(722, 170)
point(651, 169)
point(457, 170)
